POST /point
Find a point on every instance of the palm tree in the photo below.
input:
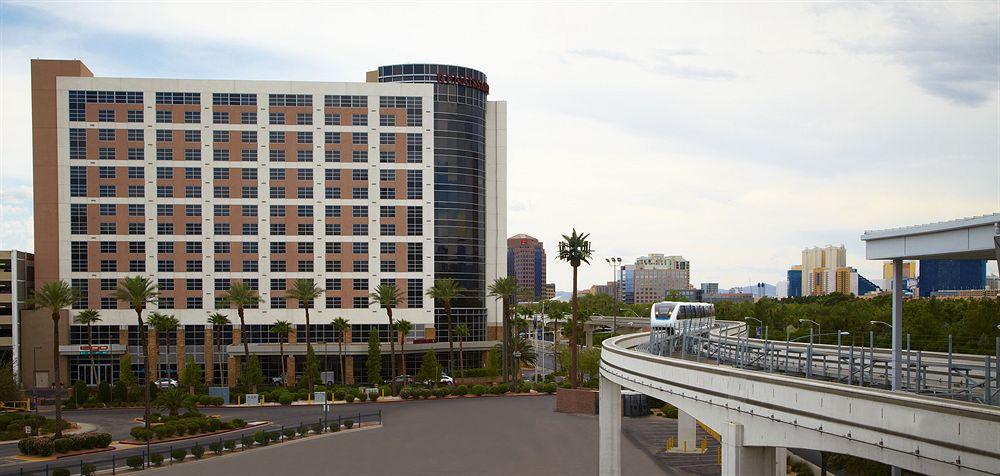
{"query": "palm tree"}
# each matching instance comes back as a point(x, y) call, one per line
point(55, 296)
point(164, 324)
point(217, 320)
point(575, 249)
point(445, 290)
point(138, 291)
point(387, 296)
point(306, 292)
point(505, 289)
point(342, 326)
point(555, 315)
point(242, 297)
point(527, 355)
point(403, 327)
point(88, 317)
point(461, 331)
point(282, 328)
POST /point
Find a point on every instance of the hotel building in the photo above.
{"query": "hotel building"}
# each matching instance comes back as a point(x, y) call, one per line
point(400, 179)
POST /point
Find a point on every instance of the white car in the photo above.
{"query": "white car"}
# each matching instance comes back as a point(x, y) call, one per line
point(446, 380)
point(165, 383)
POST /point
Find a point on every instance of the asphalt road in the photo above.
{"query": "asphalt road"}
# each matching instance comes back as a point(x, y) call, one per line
point(490, 435)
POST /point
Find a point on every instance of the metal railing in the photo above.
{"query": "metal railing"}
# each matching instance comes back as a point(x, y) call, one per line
point(230, 442)
point(972, 378)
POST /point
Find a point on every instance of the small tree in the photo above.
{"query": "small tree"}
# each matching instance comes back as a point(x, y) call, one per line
point(126, 379)
point(9, 390)
point(192, 375)
point(461, 331)
point(312, 366)
point(282, 329)
point(430, 369)
point(403, 327)
point(172, 400)
point(374, 363)
point(251, 376)
point(342, 325)
point(88, 317)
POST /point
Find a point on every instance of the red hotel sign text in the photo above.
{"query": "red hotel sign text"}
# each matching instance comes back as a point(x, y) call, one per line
point(462, 80)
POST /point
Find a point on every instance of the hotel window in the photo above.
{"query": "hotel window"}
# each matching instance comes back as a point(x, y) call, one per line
point(106, 209)
point(414, 184)
point(248, 155)
point(359, 193)
point(136, 210)
point(333, 229)
point(360, 302)
point(415, 257)
point(137, 247)
point(385, 120)
point(80, 285)
point(247, 137)
point(332, 174)
point(249, 229)
point(192, 191)
point(192, 154)
point(277, 155)
point(192, 136)
point(106, 190)
point(223, 247)
point(276, 137)
point(359, 284)
point(250, 247)
point(331, 119)
point(223, 266)
point(414, 148)
point(414, 293)
point(108, 284)
point(359, 248)
point(192, 228)
point(106, 134)
point(192, 117)
point(192, 266)
point(305, 229)
point(359, 211)
point(277, 266)
point(106, 115)
point(333, 266)
point(220, 136)
point(136, 154)
point(192, 210)
point(331, 137)
point(279, 303)
point(165, 303)
point(248, 192)
point(304, 119)
point(134, 115)
point(359, 138)
point(192, 173)
point(276, 118)
point(387, 174)
point(248, 118)
point(109, 266)
point(78, 181)
point(289, 100)
point(164, 173)
point(249, 210)
point(137, 228)
point(164, 135)
point(305, 266)
point(332, 192)
point(220, 174)
point(250, 266)
point(220, 155)
point(164, 154)
point(359, 156)
point(277, 228)
point(106, 153)
point(193, 284)
point(220, 192)
point(178, 98)
point(305, 211)
point(387, 211)
point(387, 193)
point(165, 247)
point(332, 211)
point(220, 118)
point(164, 210)
point(387, 248)
point(163, 117)
point(359, 174)
point(331, 156)
point(165, 284)
point(134, 135)
point(277, 210)
point(234, 99)
point(387, 229)
point(334, 302)
point(164, 191)
point(304, 192)
point(277, 174)
point(304, 174)
point(387, 138)
point(359, 229)
point(359, 119)
point(109, 303)
point(345, 101)
point(164, 228)
point(78, 256)
point(78, 143)
point(304, 137)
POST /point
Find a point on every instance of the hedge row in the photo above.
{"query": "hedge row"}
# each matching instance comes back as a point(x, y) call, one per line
point(462, 390)
point(45, 446)
point(188, 425)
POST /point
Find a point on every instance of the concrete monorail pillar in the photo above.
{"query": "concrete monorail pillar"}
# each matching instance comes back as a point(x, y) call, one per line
point(897, 323)
point(687, 433)
point(610, 428)
point(740, 460)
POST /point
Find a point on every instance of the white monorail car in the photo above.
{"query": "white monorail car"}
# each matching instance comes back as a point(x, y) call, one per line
point(677, 317)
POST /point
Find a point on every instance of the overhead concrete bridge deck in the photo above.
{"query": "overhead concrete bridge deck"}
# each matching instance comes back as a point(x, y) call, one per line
point(759, 414)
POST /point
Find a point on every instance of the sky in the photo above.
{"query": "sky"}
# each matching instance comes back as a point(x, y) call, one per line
point(734, 135)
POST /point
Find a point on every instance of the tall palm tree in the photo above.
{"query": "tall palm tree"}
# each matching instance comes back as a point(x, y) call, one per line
point(283, 329)
point(403, 327)
point(445, 290)
point(306, 292)
point(527, 355)
point(505, 289)
point(217, 320)
point(461, 331)
point(555, 314)
point(575, 249)
point(138, 291)
point(55, 296)
point(88, 317)
point(241, 296)
point(387, 296)
point(164, 325)
point(342, 326)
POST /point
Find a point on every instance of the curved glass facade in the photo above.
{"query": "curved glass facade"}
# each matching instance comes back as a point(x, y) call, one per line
point(459, 183)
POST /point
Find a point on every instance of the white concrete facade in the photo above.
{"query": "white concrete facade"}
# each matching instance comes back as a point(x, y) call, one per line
point(496, 203)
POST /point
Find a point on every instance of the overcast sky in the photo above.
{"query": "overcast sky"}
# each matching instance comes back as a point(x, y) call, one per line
point(734, 135)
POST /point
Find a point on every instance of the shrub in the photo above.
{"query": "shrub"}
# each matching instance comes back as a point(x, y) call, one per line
point(214, 424)
point(246, 441)
point(89, 441)
point(303, 430)
point(363, 396)
point(218, 401)
point(317, 428)
point(43, 446)
point(26, 445)
point(156, 459)
point(669, 411)
point(197, 451)
point(524, 387)
point(339, 394)
point(178, 454)
point(274, 435)
point(478, 389)
point(405, 393)
point(204, 400)
point(442, 392)
point(286, 399)
point(80, 392)
point(229, 445)
point(493, 390)
point(135, 462)
point(88, 469)
point(215, 447)
point(141, 433)
point(261, 437)
point(502, 388)
point(63, 445)
point(334, 427)
point(349, 398)
point(164, 431)
point(289, 433)
point(238, 423)
point(549, 388)
point(60, 472)
point(348, 424)
point(460, 390)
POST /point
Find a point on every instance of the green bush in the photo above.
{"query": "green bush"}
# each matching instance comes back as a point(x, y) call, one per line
point(141, 433)
point(502, 388)
point(478, 389)
point(103, 440)
point(215, 447)
point(164, 431)
point(303, 430)
point(246, 441)
point(238, 423)
point(88, 469)
point(104, 392)
point(493, 389)
point(317, 428)
point(178, 454)
point(89, 441)
point(135, 462)
point(197, 451)
point(669, 411)
point(80, 392)
point(334, 427)
point(156, 459)
point(289, 433)
point(60, 472)
point(286, 399)
point(349, 398)
point(261, 437)
point(442, 392)
point(460, 390)
point(348, 424)
point(339, 394)
point(549, 388)
point(362, 396)
point(229, 445)
point(214, 424)
point(405, 393)
point(63, 445)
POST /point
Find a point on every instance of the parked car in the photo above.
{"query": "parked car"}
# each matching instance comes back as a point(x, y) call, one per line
point(165, 383)
point(446, 380)
point(278, 381)
point(403, 380)
point(328, 377)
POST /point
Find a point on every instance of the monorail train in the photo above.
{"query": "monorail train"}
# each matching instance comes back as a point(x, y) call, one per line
point(678, 316)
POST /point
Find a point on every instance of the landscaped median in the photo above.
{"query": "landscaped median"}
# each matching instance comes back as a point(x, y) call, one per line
point(182, 427)
point(44, 447)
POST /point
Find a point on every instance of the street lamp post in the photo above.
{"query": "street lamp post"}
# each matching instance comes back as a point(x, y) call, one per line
point(875, 323)
point(819, 328)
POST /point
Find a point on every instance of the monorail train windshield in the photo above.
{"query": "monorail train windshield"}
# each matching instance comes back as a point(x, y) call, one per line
point(664, 310)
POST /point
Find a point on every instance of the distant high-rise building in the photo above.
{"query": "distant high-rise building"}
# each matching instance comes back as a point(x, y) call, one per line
point(710, 288)
point(795, 281)
point(866, 286)
point(655, 274)
point(993, 282)
point(526, 262)
point(550, 291)
point(829, 258)
point(909, 273)
point(627, 284)
point(951, 274)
